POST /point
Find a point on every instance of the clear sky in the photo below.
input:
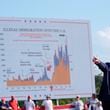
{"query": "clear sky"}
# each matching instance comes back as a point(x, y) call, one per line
point(96, 11)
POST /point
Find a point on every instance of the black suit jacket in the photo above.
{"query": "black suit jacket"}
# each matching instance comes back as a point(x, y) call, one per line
point(104, 94)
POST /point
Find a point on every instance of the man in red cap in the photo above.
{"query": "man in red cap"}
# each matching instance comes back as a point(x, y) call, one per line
point(4, 105)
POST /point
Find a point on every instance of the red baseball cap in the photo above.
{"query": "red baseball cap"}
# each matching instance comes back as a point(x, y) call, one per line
point(3, 98)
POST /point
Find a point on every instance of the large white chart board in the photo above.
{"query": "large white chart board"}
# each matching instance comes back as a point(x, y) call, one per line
point(42, 57)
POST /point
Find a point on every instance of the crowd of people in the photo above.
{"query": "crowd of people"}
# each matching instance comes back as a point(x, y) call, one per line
point(92, 104)
point(29, 104)
point(11, 105)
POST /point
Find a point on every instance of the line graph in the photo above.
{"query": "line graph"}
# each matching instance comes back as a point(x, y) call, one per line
point(61, 69)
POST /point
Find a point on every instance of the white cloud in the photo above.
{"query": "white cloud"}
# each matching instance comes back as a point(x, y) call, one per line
point(103, 38)
point(104, 33)
point(101, 44)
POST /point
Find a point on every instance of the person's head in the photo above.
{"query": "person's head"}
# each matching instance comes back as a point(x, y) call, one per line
point(78, 97)
point(93, 95)
point(3, 99)
point(12, 97)
point(29, 98)
point(48, 97)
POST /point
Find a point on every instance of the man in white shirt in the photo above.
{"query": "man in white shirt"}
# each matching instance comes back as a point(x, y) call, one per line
point(93, 102)
point(29, 104)
point(79, 105)
point(48, 103)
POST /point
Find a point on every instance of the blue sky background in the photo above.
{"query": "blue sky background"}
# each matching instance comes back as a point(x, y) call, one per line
point(96, 11)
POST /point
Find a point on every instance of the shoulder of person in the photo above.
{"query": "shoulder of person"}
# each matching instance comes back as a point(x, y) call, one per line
point(108, 64)
point(97, 99)
point(81, 101)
